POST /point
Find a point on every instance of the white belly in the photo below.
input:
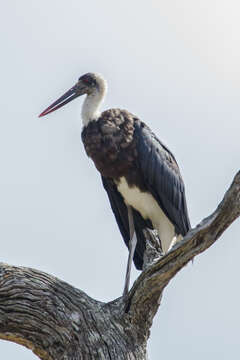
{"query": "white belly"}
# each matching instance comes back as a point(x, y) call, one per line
point(148, 207)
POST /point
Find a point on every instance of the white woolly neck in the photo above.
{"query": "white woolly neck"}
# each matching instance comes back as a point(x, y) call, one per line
point(93, 101)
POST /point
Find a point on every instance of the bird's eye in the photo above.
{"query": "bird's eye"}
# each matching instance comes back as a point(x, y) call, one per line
point(87, 80)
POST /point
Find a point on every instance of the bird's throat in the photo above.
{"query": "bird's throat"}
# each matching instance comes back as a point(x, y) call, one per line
point(91, 106)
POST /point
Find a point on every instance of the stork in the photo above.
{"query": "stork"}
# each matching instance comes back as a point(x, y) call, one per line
point(139, 173)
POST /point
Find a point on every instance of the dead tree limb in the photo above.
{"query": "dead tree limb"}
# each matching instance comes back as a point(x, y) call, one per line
point(57, 321)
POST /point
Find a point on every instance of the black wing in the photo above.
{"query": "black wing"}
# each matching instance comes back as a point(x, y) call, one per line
point(162, 177)
point(121, 214)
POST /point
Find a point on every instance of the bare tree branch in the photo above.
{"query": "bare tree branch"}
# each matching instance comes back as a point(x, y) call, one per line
point(57, 321)
point(143, 299)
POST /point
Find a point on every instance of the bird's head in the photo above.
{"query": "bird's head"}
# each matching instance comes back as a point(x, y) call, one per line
point(88, 84)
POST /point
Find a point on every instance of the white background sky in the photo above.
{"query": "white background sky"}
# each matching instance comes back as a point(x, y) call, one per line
point(175, 64)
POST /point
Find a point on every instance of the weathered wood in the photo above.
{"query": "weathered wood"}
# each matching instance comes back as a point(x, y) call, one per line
point(58, 321)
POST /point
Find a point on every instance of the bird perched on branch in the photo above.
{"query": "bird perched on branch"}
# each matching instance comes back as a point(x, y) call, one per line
point(139, 173)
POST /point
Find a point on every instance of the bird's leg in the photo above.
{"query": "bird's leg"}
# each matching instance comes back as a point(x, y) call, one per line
point(132, 247)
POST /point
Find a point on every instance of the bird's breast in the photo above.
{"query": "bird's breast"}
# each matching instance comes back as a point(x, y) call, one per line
point(109, 142)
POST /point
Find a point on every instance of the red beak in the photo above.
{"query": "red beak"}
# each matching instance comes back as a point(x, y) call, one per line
point(71, 94)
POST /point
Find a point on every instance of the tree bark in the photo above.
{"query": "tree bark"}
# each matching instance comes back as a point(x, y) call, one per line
point(58, 321)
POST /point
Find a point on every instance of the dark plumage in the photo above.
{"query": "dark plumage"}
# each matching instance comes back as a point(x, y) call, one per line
point(139, 173)
point(122, 146)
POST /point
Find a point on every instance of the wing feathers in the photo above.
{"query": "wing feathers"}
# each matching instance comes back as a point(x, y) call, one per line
point(162, 177)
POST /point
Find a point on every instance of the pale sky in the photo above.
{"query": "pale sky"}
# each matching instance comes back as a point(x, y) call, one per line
point(176, 66)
